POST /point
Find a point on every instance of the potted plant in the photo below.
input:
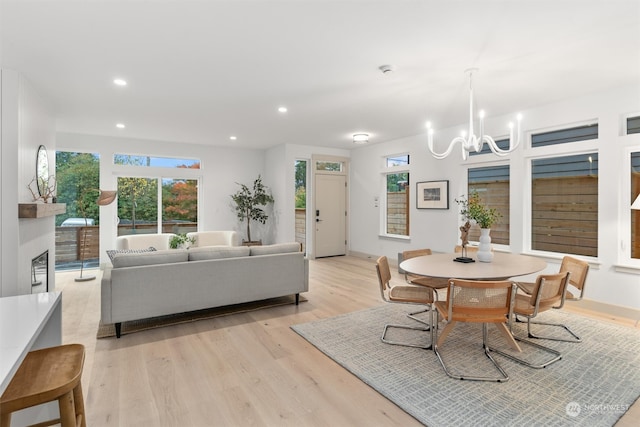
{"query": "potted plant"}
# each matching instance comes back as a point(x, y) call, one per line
point(180, 240)
point(472, 209)
point(248, 205)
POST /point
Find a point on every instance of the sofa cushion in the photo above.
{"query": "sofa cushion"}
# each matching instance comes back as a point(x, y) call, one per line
point(278, 248)
point(150, 258)
point(217, 252)
point(113, 252)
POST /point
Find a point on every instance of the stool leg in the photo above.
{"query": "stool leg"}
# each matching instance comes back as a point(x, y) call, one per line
point(79, 404)
point(67, 410)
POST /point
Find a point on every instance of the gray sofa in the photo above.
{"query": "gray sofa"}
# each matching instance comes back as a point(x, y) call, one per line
point(155, 283)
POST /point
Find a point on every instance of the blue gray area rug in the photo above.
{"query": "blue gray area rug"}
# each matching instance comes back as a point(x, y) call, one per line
point(594, 384)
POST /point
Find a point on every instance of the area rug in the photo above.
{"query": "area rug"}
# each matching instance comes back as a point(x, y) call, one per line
point(594, 384)
point(109, 330)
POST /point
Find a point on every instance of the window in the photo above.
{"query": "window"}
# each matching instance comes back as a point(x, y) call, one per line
point(492, 185)
point(635, 214)
point(503, 144)
point(633, 125)
point(396, 200)
point(564, 136)
point(564, 204)
point(322, 165)
point(150, 161)
point(138, 208)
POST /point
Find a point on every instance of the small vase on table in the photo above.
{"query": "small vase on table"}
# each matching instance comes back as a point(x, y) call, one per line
point(484, 249)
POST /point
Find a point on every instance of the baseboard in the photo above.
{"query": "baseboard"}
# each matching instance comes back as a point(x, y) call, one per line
point(611, 311)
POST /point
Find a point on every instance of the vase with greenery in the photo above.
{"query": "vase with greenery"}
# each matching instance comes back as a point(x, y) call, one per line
point(181, 240)
point(472, 209)
point(249, 204)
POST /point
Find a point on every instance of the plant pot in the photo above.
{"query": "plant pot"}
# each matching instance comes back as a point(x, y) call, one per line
point(484, 249)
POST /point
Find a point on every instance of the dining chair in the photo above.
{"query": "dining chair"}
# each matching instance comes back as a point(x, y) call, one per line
point(578, 278)
point(547, 293)
point(404, 294)
point(415, 279)
point(478, 302)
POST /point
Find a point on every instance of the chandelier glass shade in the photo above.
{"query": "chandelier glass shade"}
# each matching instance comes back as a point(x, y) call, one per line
point(469, 141)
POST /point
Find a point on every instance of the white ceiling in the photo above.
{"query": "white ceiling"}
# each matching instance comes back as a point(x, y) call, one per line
point(200, 71)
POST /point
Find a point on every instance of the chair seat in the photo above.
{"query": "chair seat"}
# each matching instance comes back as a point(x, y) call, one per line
point(413, 294)
point(44, 376)
point(430, 282)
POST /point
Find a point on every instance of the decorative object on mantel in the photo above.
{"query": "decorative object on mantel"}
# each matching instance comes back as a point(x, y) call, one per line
point(248, 205)
point(472, 209)
point(46, 188)
point(181, 241)
point(470, 141)
point(105, 198)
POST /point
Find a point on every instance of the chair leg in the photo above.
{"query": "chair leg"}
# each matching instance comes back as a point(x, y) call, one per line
point(413, 316)
point(575, 338)
point(556, 354)
point(414, 328)
point(487, 351)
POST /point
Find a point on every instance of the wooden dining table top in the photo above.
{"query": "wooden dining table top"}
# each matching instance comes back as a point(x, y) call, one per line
point(503, 266)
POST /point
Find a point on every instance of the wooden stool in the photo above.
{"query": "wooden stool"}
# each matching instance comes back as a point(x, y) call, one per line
point(46, 375)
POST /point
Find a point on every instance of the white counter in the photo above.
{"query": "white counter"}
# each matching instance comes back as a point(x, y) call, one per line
point(27, 322)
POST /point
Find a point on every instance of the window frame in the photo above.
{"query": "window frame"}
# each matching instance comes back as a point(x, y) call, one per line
point(490, 164)
point(548, 151)
point(391, 170)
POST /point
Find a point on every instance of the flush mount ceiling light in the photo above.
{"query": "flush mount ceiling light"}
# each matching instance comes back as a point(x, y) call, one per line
point(360, 138)
point(120, 125)
point(233, 138)
point(386, 69)
point(119, 82)
point(282, 109)
point(471, 141)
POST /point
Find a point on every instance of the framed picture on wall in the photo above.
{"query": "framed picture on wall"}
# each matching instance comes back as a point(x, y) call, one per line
point(432, 195)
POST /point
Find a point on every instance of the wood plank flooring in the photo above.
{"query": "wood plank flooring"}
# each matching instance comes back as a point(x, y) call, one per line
point(247, 369)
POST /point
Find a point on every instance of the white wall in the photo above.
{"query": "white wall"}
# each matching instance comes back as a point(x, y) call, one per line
point(27, 123)
point(438, 229)
point(220, 169)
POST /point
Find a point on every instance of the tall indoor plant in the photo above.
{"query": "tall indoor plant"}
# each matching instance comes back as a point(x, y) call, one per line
point(249, 202)
point(472, 209)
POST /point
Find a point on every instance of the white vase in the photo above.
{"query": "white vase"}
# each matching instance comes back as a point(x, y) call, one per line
point(484, 249)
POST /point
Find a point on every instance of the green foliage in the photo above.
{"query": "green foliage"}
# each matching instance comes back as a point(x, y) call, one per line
point(301, 198)
point(473, 209)
point(180, 239)
point(137, 199)
point(248, 203)
point(76, 173)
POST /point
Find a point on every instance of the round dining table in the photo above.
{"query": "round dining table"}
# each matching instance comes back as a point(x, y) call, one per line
point(503, 266)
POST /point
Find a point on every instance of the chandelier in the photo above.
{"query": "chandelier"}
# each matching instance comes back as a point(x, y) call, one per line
point(471, 142)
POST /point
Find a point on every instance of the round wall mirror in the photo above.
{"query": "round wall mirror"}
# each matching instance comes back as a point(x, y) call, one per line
point(42, 170)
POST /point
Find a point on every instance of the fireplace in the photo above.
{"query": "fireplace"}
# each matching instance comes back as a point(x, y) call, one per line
point(40, 273)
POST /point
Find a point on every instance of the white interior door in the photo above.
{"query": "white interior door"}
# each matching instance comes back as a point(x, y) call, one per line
point(330, 215)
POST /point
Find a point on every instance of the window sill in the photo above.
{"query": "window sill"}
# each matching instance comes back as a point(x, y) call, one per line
point(630, 269)
point(394, 237)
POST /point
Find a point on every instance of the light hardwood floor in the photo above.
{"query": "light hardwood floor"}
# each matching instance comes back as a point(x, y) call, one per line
point(247, 369)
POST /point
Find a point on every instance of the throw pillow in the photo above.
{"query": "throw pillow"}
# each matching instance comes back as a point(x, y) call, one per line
point(113, 252)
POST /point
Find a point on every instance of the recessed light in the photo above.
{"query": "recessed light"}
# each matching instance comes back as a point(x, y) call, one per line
point(233, 138)
point(282, 109)
point(120, 125)
point(120, 82)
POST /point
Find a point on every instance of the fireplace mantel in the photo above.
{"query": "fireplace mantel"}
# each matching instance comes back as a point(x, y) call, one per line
point(40, 210)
